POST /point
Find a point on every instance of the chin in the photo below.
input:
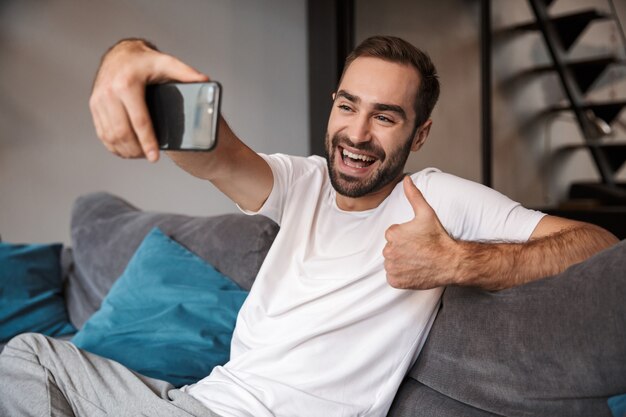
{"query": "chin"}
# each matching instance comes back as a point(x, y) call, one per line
point(353, 187)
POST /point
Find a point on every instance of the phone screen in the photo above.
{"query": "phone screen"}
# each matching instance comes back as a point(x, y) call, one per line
point(185, 116)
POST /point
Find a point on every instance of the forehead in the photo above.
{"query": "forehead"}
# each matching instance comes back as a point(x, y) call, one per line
point(374, 80)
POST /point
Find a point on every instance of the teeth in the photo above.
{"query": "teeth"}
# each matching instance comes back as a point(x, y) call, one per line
point(358, 156)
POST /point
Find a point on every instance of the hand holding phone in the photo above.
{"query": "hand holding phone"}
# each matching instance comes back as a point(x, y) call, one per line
point(185, 116)
point(118, 101)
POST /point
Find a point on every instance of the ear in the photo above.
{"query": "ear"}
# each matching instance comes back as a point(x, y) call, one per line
point(421, 135)
point(334, 95)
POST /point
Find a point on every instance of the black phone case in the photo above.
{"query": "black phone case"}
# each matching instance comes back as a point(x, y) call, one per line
point(166, 107)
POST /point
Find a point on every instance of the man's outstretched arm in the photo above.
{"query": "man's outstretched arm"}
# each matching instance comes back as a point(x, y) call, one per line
point(420, 254)
point(503, 265)
point(123, 124)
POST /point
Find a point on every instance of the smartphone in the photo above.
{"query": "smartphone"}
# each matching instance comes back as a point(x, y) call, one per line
point(185, 116)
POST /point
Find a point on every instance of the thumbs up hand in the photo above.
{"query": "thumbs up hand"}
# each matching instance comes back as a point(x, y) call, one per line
point(419, 254)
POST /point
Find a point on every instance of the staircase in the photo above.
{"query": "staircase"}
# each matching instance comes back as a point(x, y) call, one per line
point(577, 77)
point(604, 202)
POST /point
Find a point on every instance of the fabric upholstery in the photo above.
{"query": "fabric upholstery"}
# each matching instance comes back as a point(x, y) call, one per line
point(617, 405)
point(415, 399)
point(170, 315)
point(31, 287)
point(106, 231)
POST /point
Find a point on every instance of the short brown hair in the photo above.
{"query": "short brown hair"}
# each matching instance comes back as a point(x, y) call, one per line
point(394, 49)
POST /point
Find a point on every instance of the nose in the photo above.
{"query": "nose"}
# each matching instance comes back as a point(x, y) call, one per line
point(359, 129)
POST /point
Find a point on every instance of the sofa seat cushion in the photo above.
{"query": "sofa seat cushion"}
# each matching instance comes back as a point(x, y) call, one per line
point(553, 347)
point(416, 399)
point(106, 231)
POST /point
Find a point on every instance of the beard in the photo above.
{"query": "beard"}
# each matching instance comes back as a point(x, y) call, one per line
point(391, 166)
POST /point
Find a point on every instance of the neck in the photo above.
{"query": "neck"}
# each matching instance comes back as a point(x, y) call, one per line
point(369, 201)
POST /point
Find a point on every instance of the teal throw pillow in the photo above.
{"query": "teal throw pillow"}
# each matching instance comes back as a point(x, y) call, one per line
point(31, 291)
point(169, 316)
point(617, 404)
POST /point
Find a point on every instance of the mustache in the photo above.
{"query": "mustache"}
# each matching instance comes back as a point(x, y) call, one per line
point(369, 147)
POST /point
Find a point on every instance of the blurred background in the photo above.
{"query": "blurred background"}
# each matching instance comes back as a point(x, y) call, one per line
point(270, 56)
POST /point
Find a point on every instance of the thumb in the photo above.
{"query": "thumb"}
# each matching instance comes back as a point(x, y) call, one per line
point(415, 197)
point(172, 69)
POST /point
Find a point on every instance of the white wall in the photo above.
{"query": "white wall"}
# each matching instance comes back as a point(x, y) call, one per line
point(49, 52)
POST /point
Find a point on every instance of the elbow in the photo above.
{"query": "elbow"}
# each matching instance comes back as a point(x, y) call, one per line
point(604, 239)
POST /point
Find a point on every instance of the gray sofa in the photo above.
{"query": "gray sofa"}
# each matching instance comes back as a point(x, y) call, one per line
point(556, 347)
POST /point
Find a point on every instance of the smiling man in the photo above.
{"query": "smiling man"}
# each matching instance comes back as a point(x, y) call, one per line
point(347, 294)
point(370, 134)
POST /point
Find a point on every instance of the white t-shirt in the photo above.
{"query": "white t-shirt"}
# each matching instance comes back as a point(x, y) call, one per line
point(322, 333)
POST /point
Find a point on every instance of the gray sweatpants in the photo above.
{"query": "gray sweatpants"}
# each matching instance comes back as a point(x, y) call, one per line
point(40, 376)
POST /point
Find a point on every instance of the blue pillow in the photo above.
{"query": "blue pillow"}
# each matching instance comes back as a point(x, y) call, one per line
point(31, 291)
point(617, 404)
point(169, 316)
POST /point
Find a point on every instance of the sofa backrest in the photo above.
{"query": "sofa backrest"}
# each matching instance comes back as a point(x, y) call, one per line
point(106, 230)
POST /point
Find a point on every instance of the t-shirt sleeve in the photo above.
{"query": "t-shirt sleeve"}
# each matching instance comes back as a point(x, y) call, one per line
point(281, 171)
point(474, 212)
point(286, 170)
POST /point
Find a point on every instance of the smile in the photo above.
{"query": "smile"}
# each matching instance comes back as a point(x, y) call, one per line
point(356, 160)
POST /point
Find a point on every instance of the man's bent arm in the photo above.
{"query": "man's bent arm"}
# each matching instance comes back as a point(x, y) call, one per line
point(232, 167)
point(496, 266)
point(123, 124)
point(420, 254)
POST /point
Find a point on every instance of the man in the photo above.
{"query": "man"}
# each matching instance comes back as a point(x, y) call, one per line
point(345, 298)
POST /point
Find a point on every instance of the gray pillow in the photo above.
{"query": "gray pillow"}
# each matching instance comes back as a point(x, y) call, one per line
point(106, 231)
point(554, 347)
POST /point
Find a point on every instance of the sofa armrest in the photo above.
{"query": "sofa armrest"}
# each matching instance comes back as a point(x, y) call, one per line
point(551, 347)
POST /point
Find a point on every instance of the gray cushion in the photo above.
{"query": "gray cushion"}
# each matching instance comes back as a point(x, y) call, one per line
point(67, 262)
point(553, 347)
point(107, 230)
point(416, 399)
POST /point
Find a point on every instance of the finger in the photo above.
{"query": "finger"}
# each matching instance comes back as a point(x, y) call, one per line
point(98, 125)
point(415, 197)
point(99, 122)
point(118, 131)
point(139, 118)
point(396, 281)
point(391, 232)
point(168, 68)
point(387, 252)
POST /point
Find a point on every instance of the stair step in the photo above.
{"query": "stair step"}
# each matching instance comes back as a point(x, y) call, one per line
point(605, 194)
point(606, 110)
point(568, 26)
point(611, 217)
point(615, 152)
point(586, 71)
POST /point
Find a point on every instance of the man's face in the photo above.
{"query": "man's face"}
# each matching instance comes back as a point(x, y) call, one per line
point(371, 129)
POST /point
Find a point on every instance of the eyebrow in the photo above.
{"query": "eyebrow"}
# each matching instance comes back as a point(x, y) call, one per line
point(377, 106)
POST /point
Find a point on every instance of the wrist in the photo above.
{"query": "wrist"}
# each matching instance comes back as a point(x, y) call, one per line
point(462, 260)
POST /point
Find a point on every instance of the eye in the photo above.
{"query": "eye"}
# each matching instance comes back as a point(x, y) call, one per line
point(344, 107)
point(383, 118)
